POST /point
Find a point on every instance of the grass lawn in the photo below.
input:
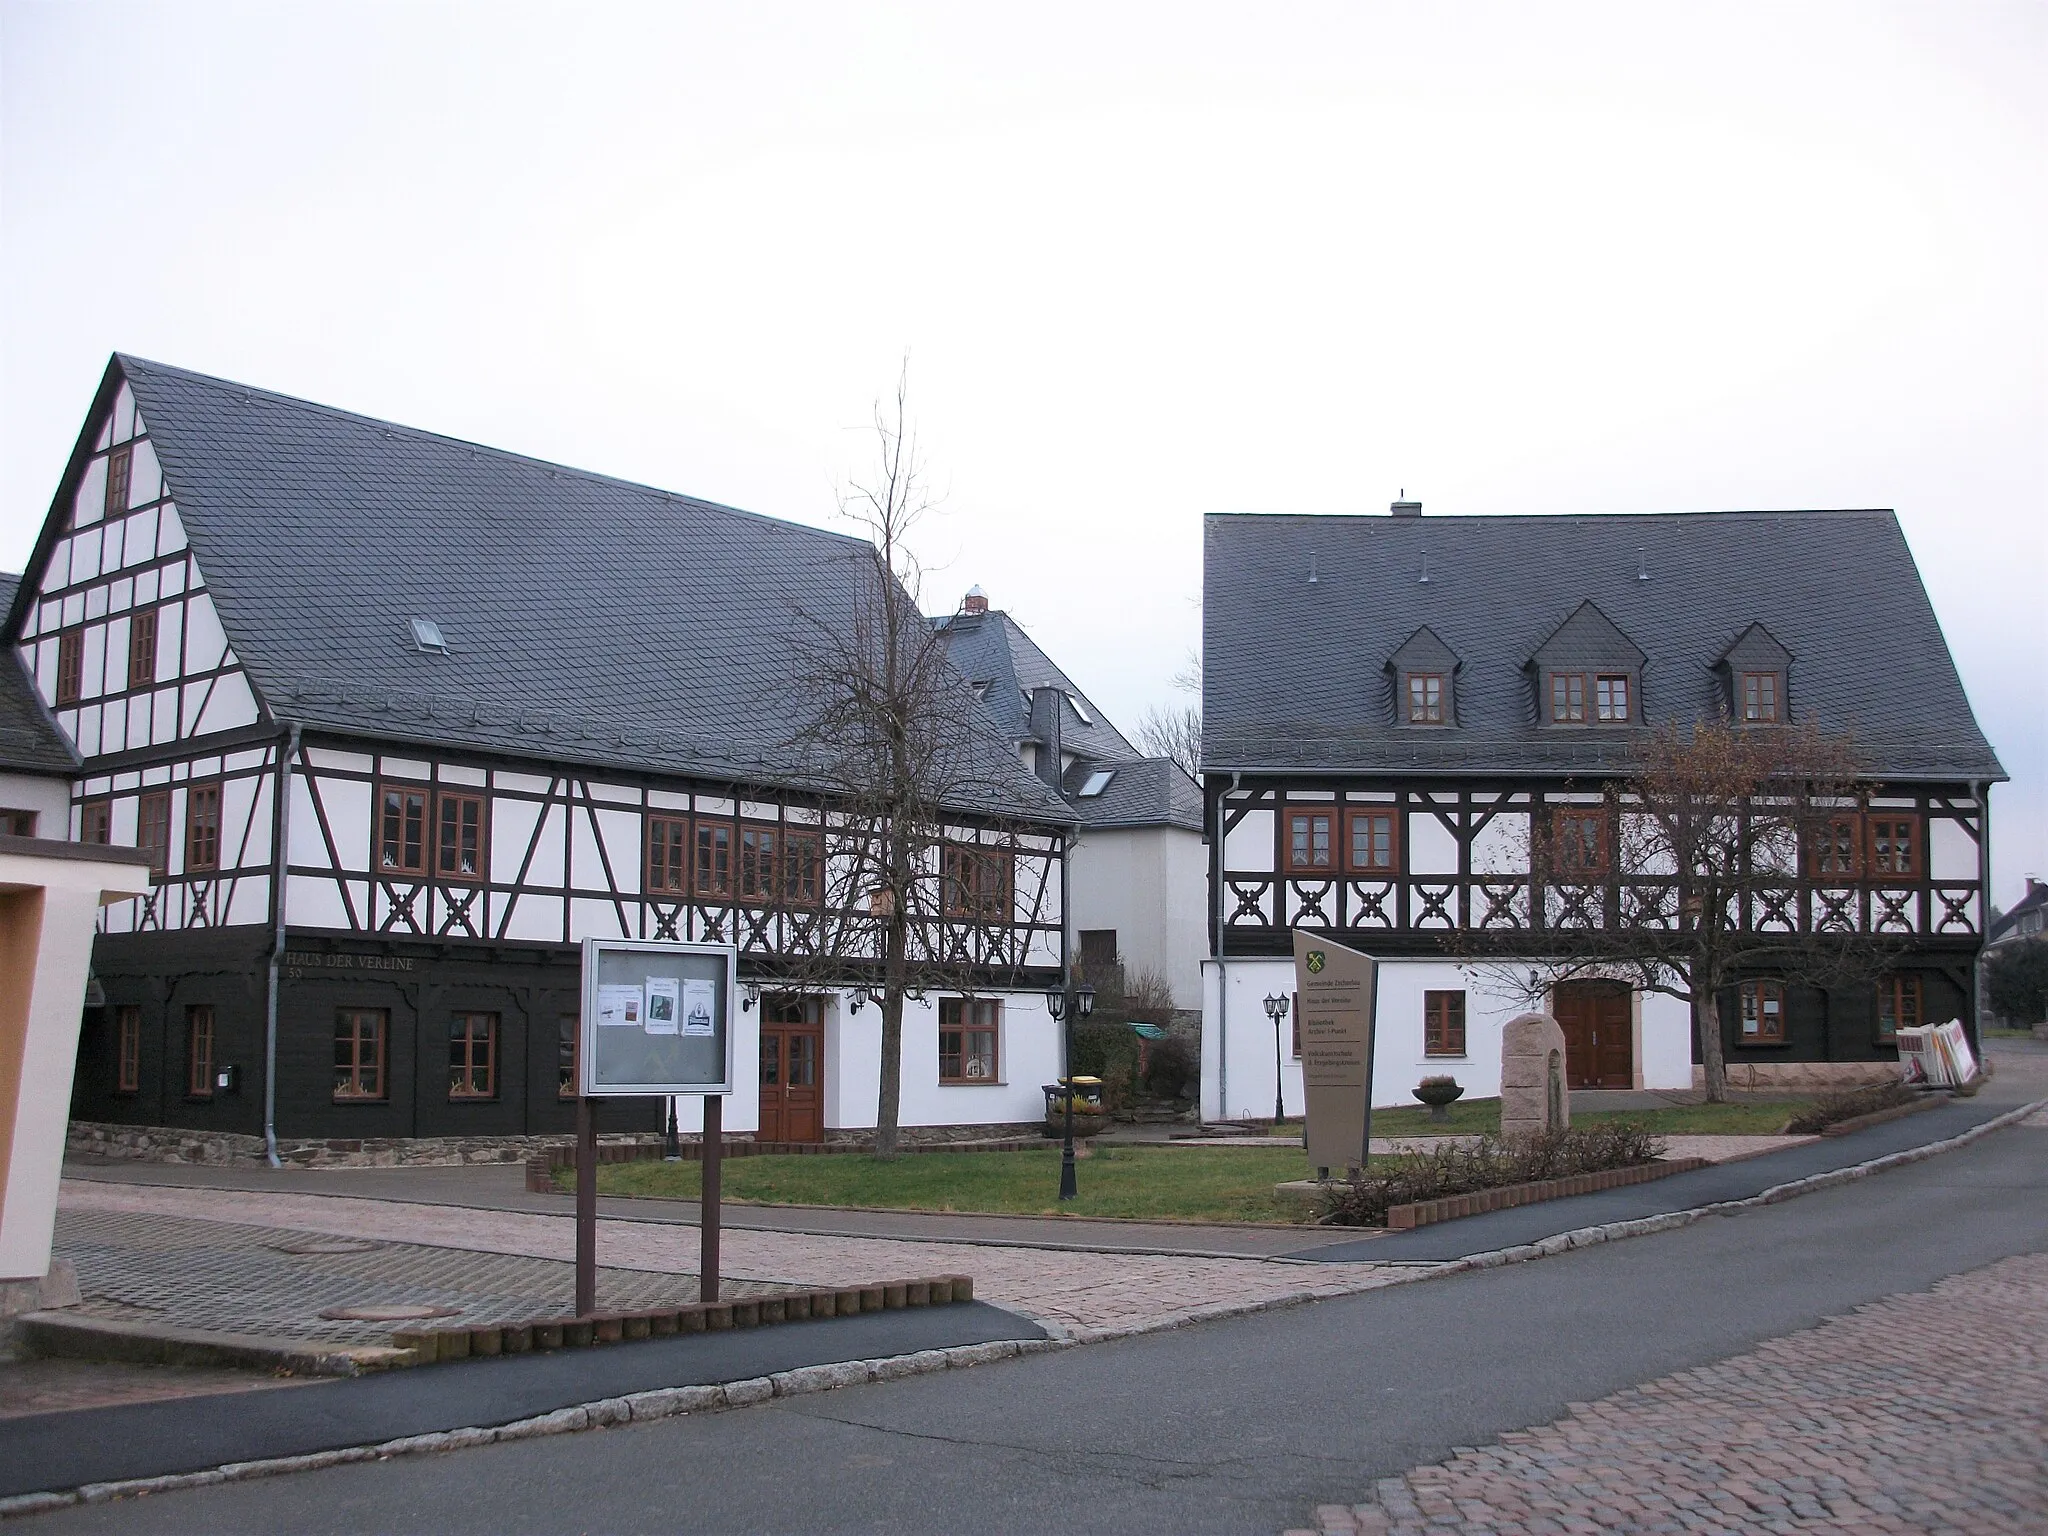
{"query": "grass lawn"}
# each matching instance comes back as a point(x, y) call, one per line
point(1187, 1183)
point(1483, 1115)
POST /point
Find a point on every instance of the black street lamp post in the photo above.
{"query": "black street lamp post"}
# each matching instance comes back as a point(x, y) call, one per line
point(1064, 1004)
point(1276, 1010)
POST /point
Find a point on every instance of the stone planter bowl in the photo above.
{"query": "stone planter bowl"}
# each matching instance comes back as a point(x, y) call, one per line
point(1439, 1097)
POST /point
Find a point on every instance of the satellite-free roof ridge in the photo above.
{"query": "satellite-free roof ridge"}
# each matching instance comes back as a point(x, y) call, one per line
point(130, 362)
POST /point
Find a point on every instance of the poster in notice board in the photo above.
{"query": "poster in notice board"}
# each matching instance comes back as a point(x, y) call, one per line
point(657, 1018)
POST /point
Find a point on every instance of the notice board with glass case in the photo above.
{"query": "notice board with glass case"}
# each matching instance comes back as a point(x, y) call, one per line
point(657, 1018)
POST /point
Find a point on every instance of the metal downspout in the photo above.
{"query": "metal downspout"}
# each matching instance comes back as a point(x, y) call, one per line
point(1982, 790)
point(1222, 970)
point(280, 849)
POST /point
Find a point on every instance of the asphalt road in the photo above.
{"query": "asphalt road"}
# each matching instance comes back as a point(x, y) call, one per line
point(1240, 1426)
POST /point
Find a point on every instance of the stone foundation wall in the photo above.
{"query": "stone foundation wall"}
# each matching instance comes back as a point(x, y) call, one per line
point(1823, 1075)
point(163, 1144)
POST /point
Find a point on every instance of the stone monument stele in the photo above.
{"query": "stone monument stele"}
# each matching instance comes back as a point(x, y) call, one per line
point(1533, 1095)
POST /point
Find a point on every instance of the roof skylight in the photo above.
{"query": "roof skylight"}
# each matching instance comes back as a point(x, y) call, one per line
point(1086, 719)
point(426, 636)
point(1097, 782)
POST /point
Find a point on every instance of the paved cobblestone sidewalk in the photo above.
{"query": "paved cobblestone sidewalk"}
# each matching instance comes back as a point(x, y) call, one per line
point(276, 1282)
point(1921, 1413)
point(1078, 1291)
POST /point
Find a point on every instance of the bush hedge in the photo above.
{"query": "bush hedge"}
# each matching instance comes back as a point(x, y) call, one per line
point(1832, 1108)
point(1490, 1162)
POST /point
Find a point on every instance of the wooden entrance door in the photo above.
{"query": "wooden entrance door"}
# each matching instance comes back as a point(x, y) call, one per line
point(1599, 1044)
point(792, 1068)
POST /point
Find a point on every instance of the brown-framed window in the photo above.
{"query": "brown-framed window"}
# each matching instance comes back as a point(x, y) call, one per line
point(70, 665)
point(1759, 698)
point(202, 826)
point(473, 1056)
point(1894, 847)
point(1425, 698)
point(96, 822)
point(713, 875)
point(1832, 852)
point(1443, 1023)
point(978, 882)
point(18, 823)
point(153, 828)
point(568, 1034)
point(142, 648)
point(361, 1039)
point(1374, 848)
point(1311, 841)
point(1901, 1004)
point(460, 849)
point(1762, 1013)
point(127, 1049)
point(1568, 698)
point(668, 855)
point(199, 1051)
point(803, 869)
point(120, 470)
point(1579, 846)
point(401, 830)
point(969, 1028)
point(1610, 698)
point(757, 863)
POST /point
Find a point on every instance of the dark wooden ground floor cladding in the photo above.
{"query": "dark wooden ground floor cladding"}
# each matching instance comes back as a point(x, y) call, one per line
point(374, 1039)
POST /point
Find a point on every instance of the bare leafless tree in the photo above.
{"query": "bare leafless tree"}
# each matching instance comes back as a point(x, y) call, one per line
point(1175, 730)
point(1696, 870)
point(933, 869)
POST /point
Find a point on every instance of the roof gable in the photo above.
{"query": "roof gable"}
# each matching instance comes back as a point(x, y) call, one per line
point(29, 739)
point(1587, 638)
point(1756, 649)
point(1424, 651)
point(587, 619)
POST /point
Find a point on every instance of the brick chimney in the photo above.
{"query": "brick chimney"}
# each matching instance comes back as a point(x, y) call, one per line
point(1406, 508)
point(976, 601)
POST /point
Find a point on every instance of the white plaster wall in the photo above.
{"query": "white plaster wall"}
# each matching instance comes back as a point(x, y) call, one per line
point(1149, 884)
point(50, 799)
point(1028, 1057)
point(1244, 1043)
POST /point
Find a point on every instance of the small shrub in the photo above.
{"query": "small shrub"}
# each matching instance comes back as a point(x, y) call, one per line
point(1833, 1108)
point(1169, 1068)
point(1491, 1162)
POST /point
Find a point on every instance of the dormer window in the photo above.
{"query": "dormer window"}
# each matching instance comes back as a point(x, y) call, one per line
point(1568, 698)
point(1425, 698)
point(1610, 698)
point(1760, 698)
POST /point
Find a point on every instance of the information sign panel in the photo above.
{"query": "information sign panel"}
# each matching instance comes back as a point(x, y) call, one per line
point(1338, 988)
point(657, 1018)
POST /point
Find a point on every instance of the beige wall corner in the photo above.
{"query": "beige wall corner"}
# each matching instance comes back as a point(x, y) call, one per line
point(50, 895)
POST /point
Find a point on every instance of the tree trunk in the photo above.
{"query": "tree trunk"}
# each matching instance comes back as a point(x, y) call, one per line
point(888, 1104)
point(1706, 1021)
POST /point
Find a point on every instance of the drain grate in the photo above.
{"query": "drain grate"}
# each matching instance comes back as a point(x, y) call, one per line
point(327, 1245)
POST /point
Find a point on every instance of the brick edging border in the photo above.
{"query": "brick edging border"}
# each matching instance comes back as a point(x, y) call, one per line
point(430, 1345)
point(1423, 1213)
point(667, 1402)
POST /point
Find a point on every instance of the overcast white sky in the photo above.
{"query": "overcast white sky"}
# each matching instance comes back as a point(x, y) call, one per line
point(1148, 262)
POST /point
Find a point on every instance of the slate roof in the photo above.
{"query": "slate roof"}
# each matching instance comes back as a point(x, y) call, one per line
point(1005, 664)
point(29, 739)
point(1295, 671)
point(589, 620)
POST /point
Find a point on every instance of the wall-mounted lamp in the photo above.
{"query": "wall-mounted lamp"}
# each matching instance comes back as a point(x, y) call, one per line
point(859, 1002)
point(749, 995)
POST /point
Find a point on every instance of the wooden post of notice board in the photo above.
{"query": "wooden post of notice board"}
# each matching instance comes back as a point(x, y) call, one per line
point(707, 1205)
point(586, 1206)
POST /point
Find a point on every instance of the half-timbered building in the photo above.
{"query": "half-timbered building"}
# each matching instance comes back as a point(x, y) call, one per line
point(402, 719)
point(1135, 866)
point(1399, 711)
